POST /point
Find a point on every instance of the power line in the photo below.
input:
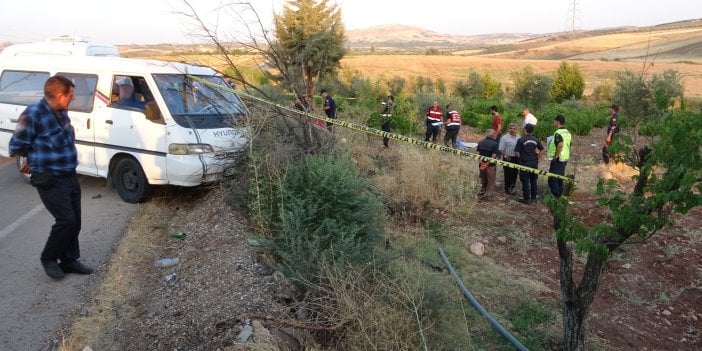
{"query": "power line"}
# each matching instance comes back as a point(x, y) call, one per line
point(573, 19)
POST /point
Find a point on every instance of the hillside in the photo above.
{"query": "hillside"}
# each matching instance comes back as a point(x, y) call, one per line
point(397, 37)
point(664, 43)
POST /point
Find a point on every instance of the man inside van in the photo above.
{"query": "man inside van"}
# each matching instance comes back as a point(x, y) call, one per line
point(45, 136)
point(126, 94)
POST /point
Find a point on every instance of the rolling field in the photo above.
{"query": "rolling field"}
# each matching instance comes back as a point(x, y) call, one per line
point(452, 68)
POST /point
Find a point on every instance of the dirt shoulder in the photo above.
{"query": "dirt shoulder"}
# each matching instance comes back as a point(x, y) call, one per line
point(202, 302)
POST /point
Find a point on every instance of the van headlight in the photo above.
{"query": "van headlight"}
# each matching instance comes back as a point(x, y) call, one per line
point(189, 149)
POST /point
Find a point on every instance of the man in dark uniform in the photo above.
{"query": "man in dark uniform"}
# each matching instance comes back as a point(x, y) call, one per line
point(329, 106)
point(612, 130)
point(528, 150)
point(386, 115)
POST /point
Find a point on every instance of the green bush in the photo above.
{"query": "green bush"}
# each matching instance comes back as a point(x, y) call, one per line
point(326, 216)
point(530, 89)
point(568, 83)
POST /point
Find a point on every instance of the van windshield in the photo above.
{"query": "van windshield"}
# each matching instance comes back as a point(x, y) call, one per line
point(195, 104)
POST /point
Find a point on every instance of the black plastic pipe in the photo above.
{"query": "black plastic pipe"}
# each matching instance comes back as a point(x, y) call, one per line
point(495, 324)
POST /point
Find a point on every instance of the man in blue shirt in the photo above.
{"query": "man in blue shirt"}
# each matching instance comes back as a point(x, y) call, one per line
point(45, 136)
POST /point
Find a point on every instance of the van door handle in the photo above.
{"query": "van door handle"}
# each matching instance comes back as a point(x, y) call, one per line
point(109, 121)
point(88, 123)
point(14, 120)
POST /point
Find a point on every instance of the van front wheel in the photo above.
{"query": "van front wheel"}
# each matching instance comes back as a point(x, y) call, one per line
point(130, 181)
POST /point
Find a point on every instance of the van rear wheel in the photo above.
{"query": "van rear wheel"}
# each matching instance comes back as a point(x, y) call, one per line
point(130, 181)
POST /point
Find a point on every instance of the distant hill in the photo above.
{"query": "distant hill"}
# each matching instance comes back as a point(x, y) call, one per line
point(669, 42)
point(397, 37)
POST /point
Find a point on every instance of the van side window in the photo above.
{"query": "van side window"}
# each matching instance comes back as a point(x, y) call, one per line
point(22, 87)
point(129, 92)
point(84, 91)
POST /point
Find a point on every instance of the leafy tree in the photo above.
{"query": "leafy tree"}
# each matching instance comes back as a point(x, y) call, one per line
point(669, 181)
point(423, 85)
point(647, 100)
point(396, 84)
point(492, 89)
point(568, 83)
point(530, 89)
point(632, 93)
point(310, 37)
point(665, 88)
point(472, 88)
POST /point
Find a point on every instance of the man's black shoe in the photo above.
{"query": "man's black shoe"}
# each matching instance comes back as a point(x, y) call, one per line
point(524, 201)
point(75, 267)
point(52, 269)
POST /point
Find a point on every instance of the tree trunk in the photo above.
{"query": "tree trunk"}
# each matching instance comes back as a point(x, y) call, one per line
point(576, 299)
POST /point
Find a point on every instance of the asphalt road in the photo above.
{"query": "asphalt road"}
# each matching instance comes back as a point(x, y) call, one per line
point(33, 306)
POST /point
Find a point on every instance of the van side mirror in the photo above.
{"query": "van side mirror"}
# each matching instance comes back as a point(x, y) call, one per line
point(153, 113)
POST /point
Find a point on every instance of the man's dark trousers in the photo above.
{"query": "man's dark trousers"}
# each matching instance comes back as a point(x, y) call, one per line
point(529, 181)
point(62, 200)
point(555, 184)
point(511, 175)
point(431, 133)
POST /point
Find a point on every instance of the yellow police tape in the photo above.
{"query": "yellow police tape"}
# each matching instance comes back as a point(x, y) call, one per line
point(397, 137)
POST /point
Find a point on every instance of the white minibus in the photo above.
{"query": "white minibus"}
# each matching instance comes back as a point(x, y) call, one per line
point(137, 122)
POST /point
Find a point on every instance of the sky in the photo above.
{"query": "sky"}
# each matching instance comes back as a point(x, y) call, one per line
point(159, 21)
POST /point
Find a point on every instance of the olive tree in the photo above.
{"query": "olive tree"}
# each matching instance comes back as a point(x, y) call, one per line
point(530, 88)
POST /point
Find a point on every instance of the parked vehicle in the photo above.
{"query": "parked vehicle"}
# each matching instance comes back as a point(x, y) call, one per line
point(138, 122)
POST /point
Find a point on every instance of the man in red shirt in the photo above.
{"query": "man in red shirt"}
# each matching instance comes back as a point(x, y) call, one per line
point(496, 123)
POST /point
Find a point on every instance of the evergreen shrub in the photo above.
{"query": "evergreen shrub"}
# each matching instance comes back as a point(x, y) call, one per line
point(327, 216)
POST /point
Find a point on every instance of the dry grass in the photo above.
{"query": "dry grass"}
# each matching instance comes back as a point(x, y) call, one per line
point(404, 172)
point(116, 300)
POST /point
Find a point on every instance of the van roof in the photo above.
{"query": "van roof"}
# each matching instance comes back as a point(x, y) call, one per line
point(92, 64)
point(61, 46)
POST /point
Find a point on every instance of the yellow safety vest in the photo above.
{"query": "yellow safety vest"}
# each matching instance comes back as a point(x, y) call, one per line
point(565, 151)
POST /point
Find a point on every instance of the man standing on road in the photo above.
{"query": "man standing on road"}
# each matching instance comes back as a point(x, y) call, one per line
point(559, 152)
point(612, 130)
point(434, 117)
point(528, 149)
point(329, 106)
point(507, 144)
point(45, 136)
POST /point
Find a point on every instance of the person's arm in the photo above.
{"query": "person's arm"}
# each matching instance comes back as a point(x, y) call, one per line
point(541, 149)
point(22, 138)
point(518, 148)
point(501, 148)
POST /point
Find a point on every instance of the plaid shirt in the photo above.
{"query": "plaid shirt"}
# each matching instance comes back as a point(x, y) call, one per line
point(47, 139)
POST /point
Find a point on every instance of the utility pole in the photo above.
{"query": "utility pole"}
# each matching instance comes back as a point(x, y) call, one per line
point(573, 19)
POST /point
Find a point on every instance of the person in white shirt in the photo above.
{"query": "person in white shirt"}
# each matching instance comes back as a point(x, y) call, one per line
point(506, 147)
point(528, 117)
